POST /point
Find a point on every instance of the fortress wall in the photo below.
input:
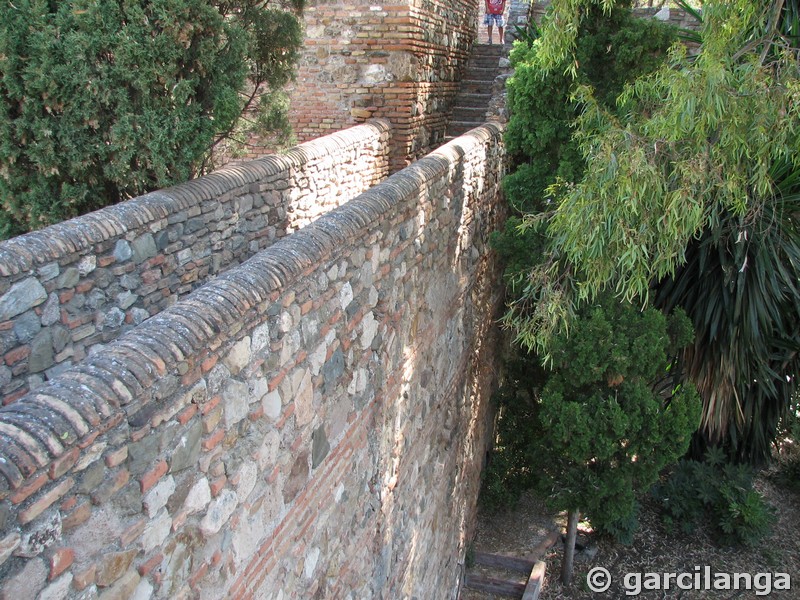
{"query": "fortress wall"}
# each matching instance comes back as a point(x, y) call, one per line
point(310, 423)
point(397, 61)
point(77, 285)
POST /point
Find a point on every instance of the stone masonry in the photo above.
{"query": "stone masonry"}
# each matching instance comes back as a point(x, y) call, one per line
point(310, 422)
point(400, 61)
point(71, 288)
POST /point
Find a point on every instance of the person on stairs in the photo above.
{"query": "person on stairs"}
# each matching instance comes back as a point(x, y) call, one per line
point(494, 15)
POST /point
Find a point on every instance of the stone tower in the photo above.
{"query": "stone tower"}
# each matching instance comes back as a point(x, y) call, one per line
point(400, 61)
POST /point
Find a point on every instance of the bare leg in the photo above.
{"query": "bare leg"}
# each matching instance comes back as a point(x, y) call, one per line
point(502, 39)
point(490, 34)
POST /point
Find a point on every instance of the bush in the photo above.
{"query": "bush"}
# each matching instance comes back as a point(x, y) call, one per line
point(509, 470)
point(104, 101)
point(603, 432)
point(718, 493)
point(612, 49)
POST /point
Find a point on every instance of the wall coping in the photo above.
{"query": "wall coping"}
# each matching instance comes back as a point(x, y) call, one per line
point(89, 398)
point(25, 252)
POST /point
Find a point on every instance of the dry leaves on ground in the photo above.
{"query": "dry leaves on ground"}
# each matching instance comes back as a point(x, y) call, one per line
point(517, 531)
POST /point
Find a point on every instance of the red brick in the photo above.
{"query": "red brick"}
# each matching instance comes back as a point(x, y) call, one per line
point(14, 396)
point(77, 517)
point(140, 433)
point(150, 564)
point(60, 561)
point(17, 354)
point(216, 558)
point(256, 413)
point(84, 287)
point(210, 405)
point(35, 509)
point(209, 363)
point(276, 381)
point(218, 484)
point(212, 441)
point(88, 440)
point(150, 478)
point(198, 575)
point(64, 463)
point(186, 414)
point(191, 377)
point(69, 503)
point(34, 486)
point(116, 457)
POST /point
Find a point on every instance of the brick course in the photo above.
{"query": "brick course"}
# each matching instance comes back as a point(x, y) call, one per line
point(401, 62)
point(243, 442)
point(71, 288)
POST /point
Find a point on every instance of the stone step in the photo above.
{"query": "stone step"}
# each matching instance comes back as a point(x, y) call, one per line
point(467, 113)
point(489, 50)
point(457, 128)
point(481, 73)
point(476, 86)
point(468, 99)
point(483, 61)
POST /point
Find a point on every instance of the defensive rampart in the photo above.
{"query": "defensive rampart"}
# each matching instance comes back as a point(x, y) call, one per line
point(73, 287)
point(308, 424)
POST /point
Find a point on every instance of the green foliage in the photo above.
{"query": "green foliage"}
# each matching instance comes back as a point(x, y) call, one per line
point(689, 196)
point(747, 322)
point(510, 469)
point(102, 101)
point(717, 493)
point(603, 432)
point(786, 469)
point(611, 50)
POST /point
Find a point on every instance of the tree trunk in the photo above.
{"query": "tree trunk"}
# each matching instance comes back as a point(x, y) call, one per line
point(569, 547)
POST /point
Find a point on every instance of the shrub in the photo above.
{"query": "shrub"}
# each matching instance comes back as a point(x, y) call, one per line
point(103, 101)
point(716, 492)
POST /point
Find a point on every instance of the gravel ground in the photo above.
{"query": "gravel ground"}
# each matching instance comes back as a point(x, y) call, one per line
point(517, 531)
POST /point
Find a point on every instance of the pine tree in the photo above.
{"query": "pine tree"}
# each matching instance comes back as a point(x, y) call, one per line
point(103, 101)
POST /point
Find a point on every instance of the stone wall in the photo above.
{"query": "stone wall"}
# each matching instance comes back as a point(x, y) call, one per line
point(397, 61)
point(78, 285)
point(310, 423)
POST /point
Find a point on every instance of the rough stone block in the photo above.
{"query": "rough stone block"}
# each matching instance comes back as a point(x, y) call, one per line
point(26, 584)
point(23, 296)
point(112, 566)
point(219, 512)
point(157, 497)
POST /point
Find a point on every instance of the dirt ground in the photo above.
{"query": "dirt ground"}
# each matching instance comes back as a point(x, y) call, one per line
point(517, 531)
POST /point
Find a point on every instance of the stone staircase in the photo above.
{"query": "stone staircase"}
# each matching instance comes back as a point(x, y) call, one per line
point(493, 576)
point(472, 101)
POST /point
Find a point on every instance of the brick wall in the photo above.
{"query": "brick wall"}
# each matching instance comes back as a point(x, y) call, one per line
point(73, 287)
point(310, 423)
point(397, 61)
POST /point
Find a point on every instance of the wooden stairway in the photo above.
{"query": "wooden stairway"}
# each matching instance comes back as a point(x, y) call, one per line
point(530, 570)
point(472, 101)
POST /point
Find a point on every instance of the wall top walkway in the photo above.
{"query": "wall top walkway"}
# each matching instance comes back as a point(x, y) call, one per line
point(27, 251)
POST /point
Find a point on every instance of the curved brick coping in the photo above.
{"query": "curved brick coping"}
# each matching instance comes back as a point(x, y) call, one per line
point(23, 253)
point(90, 398)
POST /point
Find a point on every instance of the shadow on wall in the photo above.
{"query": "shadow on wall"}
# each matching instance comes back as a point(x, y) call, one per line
point(68, 290)
point(271, 432)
